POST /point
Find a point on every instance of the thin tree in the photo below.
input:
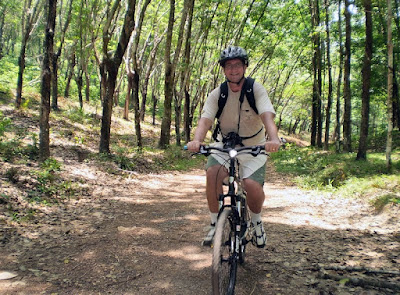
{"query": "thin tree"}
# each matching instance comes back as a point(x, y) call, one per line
point(366, 78)
point(57, 54)
point(330, 85)
point(389, 87)
point(185, 75)
point(136, 71)
point(347, 90)
point(109, 68)
point(170, 67)
point(30, 19)
point(44, 136)
point(339, 81)
point(316, 118)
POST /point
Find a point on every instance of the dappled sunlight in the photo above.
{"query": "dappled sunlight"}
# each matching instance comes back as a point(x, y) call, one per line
point(193, 255)
point(84, 171)
point(306, 208)
point(138, 231)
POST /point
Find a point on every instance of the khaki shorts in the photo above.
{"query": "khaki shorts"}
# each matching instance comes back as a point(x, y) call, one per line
point(258, 175)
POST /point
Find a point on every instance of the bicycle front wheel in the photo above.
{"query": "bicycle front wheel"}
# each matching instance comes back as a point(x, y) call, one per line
point(224, 262)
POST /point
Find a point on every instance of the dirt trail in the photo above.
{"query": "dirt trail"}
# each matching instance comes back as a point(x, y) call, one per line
point(141, 234)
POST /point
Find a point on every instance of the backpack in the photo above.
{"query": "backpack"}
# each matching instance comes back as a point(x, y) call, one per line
point(247, 90)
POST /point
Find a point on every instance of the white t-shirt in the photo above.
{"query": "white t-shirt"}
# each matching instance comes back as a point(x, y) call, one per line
point(250, 123)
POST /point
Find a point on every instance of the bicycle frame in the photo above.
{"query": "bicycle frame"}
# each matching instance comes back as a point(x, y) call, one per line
point(233, 218)
point(235, 193)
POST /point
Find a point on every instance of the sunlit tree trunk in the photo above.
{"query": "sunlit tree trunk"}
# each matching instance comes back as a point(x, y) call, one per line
point(316, 120)
point(330, 86)
point(347, 91)
point(44, 135)
point(389, 87)
point(339, 82)
point(57, 54)
point(170, 67)
point(109, 70)
point(366, 77)
point(185, 75)
point(30, 20)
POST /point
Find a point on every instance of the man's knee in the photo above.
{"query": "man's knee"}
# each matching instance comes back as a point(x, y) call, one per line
point(216, 172)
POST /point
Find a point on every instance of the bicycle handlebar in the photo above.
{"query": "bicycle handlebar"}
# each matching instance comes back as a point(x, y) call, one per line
point(206, 150)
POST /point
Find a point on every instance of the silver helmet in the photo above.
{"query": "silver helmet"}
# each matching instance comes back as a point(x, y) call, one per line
point(233, 52)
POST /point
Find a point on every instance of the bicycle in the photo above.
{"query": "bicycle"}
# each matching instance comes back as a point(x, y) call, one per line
point(233, 230)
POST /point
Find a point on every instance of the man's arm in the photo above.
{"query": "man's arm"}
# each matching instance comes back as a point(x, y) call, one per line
point(273, 143)
point(201, 131)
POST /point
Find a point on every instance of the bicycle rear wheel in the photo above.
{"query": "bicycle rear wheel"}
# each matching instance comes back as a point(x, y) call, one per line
point(224, 262)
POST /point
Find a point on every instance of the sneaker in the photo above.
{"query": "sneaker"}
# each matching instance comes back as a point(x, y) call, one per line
point(210, 236)
point(259, 238)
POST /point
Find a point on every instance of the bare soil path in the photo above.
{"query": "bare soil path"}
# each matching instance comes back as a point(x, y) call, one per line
point(140, 234)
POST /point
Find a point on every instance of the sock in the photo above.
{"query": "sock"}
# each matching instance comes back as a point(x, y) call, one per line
point(255, 217)
point(214, 217)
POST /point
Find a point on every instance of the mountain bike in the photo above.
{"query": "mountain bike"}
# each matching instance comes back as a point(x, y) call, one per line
point(233, 229)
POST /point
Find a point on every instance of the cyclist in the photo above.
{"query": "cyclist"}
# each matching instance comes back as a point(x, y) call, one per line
point(248, 127)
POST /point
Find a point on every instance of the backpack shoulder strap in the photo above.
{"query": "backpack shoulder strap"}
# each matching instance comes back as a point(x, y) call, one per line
point(223, 96)
point(250, 93)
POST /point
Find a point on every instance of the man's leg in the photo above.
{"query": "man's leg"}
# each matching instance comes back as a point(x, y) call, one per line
point(215, 176)
point(255, 200)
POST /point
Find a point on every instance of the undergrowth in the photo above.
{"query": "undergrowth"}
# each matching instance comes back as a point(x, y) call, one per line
point(343, 175)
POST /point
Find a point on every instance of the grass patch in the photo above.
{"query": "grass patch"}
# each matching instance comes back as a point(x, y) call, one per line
point(152, 160)
point(342, 174)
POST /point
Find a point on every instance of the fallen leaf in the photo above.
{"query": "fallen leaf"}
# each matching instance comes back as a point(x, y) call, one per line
point(5, 275)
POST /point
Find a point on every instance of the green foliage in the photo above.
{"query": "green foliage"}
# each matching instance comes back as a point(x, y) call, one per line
point(78, 115)
point(5, 123)
point(51, 188)
point(13, 148)
point(342, 174)
point(152, 160)
point(380, 202)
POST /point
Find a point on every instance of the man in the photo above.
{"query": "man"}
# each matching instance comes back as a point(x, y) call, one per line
point(252, 127)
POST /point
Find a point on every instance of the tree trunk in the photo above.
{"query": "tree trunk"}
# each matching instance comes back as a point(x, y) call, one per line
point(347, 91)
point(316, 62)
point(389, 87)
point(396, 61)
point(339, 82)
point(29, 22)
point(54, 102)
point(136, 107)
point(185, 76)
point(330, 86)
point(170, 73)
point(366, 77)
point(2, 17)
point(186, 113)
point(71, 68)
point(128, 95)
point(44, 136)
point(109, 71)
point(79, 84)
point(21, 68)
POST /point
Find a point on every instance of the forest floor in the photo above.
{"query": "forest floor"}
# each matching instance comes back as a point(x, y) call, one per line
point(141, 233)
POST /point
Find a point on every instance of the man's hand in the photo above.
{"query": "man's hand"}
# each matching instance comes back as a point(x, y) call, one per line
point(272, 145)
point(194, 146)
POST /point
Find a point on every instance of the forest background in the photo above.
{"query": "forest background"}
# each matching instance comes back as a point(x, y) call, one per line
point(330, 67)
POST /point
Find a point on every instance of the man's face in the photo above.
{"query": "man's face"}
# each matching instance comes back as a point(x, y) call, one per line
point(234, 70)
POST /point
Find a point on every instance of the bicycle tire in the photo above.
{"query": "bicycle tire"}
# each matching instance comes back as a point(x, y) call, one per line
point(244, 221)
point(224, 262)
